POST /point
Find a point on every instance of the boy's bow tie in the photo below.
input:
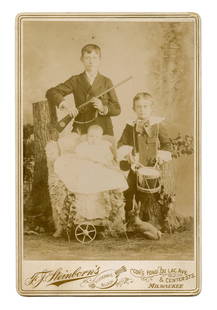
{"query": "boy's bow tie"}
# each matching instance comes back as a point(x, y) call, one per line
point(141, 125)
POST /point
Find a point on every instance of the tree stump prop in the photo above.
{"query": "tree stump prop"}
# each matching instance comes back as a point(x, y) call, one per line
point(172, 89)
point(160, 208)
point(44, 131)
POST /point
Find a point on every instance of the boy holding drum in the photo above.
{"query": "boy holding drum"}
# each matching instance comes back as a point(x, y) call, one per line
point(140, 143)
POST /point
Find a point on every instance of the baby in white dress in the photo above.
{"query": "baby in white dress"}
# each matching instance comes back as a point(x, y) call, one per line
point(91, 169)
point(95, 148)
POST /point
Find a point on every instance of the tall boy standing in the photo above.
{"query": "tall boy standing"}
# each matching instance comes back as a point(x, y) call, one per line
point(86, 86)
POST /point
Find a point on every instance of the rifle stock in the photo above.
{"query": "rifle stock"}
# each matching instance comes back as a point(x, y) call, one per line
point(63, 123)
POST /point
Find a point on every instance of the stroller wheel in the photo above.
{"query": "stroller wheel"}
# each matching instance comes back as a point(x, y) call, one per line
point(85, 233)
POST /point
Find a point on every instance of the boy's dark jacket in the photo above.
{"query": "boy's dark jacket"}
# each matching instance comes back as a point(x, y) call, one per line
point(79, 86)
point(152, 138)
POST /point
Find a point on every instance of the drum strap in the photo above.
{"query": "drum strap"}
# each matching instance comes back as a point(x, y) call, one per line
point(134, 140)
point(142, 144)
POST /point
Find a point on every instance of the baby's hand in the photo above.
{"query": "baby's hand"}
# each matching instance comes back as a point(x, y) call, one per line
point(113, 165)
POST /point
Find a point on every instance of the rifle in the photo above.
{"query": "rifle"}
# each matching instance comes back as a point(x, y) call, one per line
point(60, 125)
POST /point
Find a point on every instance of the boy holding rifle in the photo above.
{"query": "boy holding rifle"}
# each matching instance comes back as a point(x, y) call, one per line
point(86, 87)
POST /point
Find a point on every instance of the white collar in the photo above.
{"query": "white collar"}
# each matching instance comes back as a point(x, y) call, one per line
point(153, 120)
point(91, 77)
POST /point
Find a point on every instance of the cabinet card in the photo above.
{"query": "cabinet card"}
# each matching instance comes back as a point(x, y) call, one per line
point(108, 154)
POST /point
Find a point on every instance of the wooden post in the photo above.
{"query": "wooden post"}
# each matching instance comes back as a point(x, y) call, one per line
point(43, 132)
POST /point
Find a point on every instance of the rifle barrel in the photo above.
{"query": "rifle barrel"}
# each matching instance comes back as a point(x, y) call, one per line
point(60, 125)
point(105, 92)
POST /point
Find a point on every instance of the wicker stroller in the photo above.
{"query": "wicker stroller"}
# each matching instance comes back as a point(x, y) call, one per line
point(66, 205)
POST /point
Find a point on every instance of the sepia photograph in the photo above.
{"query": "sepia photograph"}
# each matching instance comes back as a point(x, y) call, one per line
point(108, 153)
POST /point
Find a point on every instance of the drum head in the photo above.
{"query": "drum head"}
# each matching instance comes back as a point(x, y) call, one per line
point(149, 172)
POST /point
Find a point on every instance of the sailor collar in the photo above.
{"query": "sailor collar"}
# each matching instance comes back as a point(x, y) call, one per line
point(152, 120)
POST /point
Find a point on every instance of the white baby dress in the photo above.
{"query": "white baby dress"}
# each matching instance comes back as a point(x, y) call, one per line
point(85, 171)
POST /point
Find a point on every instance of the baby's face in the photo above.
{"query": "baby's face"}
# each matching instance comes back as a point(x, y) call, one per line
point(143, 108)
point(94, 136)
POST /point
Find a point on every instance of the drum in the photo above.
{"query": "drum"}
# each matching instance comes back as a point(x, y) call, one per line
point(148, 180)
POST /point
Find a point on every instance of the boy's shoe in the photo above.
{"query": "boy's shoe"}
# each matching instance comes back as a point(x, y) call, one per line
point(58, 233)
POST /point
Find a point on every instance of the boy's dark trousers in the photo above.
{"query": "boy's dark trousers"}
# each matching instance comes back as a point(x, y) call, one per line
point(131, 192)
point(146, 199)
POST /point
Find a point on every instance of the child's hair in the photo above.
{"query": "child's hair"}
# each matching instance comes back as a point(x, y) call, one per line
point(95, 127)
point(89, 48)
point(142, 95)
